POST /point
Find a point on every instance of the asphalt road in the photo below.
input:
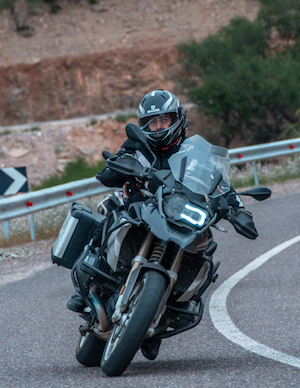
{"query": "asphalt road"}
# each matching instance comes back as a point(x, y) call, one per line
point(38, 334)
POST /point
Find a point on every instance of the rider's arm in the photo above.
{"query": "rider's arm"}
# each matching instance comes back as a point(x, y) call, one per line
point(110, 178)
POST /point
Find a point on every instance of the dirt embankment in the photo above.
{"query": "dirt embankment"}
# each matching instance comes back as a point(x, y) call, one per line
point(56, 89)
point(86, 61)
point(92, 60)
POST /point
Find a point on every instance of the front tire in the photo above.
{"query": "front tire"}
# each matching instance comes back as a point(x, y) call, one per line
point(128, 334)
point(89, 350)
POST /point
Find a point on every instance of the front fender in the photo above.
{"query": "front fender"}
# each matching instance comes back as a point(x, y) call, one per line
point(138, 273)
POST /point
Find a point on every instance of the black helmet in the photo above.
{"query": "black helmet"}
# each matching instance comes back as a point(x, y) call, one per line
point(160, 103)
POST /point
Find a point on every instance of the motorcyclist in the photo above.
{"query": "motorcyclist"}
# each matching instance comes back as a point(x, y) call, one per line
point(163, 121)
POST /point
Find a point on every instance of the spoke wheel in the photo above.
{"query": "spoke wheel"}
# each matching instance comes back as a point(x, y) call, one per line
point(128, 334)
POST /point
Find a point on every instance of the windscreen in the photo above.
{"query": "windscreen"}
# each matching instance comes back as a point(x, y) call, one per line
point(201, 167)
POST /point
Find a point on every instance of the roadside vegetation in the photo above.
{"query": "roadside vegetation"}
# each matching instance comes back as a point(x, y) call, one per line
point(22, 10)
point(247, 76)
point(267, 172)
point(47, 223)
point(276, 171)
point(75, 170)
point(123, 117)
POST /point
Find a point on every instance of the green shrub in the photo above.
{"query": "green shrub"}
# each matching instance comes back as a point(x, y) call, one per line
point(20, 18)
point(122, 117)
point(93, 121)
point(5, 132)
point(76, 170)
point(35, 129)
point(231, 78)
point(218, 51)
point(54, 8)
point(293, 130)
point(284, 15)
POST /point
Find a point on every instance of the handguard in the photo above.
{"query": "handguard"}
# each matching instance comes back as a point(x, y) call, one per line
point(243, 223)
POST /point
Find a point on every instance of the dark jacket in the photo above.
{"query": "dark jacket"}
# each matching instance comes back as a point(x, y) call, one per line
point(240, 218)
point(112, 179)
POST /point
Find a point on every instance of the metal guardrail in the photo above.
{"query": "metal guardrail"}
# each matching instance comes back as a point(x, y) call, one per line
point(27, 204)
point(34, 201)
point(264, 151)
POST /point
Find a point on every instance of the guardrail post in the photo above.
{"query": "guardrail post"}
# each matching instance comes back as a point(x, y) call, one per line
point(256, 182)
point(32, 231)
point(5, 225)
point(6, 229)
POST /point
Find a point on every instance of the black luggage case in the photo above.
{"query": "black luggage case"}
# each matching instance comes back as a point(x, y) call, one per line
point(76, 231)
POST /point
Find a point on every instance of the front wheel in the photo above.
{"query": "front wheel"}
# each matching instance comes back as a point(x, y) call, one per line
point(89, 350)
point(129, 333)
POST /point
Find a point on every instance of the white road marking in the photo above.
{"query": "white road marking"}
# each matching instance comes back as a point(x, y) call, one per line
point(224, 324)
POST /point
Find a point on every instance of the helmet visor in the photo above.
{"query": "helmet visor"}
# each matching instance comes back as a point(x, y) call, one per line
point(158, 122)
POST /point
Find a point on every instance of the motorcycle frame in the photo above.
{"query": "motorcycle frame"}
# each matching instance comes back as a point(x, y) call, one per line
point(141, 266)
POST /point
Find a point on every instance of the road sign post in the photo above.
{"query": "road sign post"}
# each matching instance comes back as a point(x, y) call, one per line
point(13, 180)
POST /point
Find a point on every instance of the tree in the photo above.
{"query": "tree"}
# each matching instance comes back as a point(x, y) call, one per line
point(283, 15)
point(20, 11)
point(232, 77)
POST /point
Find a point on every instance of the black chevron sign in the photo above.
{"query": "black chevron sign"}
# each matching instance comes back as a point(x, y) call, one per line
point(13, 180)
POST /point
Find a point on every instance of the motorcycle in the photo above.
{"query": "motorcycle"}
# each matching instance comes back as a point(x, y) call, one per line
point(152, 273)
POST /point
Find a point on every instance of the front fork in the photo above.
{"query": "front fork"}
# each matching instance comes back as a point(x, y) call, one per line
point(140, 259)
point(174, 269)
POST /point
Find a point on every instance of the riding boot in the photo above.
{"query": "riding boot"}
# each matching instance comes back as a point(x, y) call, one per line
point(76, 303)
point(150, 348)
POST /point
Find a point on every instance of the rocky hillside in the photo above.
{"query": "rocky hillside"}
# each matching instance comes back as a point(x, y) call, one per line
point(86, 61)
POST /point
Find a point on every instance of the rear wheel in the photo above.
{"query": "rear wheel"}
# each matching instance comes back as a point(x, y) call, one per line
point(89, 350)
point(128, 334)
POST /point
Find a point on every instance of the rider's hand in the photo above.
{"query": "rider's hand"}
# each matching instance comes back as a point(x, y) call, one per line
point(233, 211)
point(242, 221)
point(132, 186)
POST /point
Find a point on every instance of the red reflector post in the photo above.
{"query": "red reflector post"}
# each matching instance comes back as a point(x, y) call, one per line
point(69, 193)
point(29, 204)
point(291, 146)
point(240, 156)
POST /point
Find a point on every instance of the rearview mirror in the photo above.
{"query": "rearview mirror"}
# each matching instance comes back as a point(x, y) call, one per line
point(106, 154)
point(133, 132)
point(258, 193)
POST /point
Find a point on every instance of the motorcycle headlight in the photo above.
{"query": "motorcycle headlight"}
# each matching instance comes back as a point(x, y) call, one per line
point(194, 215)
point(176, 206)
